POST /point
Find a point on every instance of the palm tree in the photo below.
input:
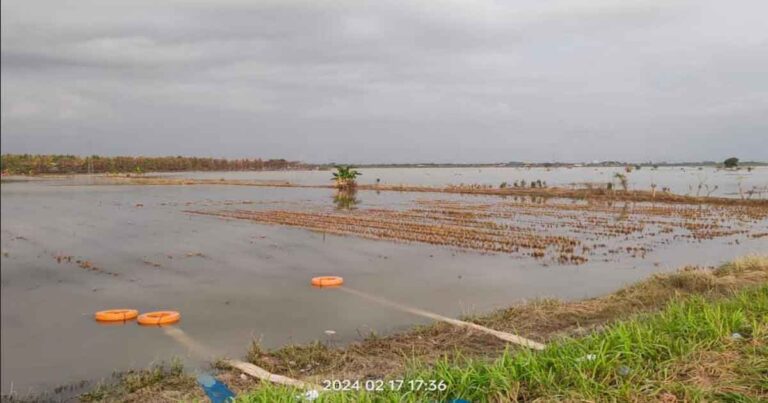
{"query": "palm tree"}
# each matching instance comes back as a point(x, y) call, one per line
point(345, 176)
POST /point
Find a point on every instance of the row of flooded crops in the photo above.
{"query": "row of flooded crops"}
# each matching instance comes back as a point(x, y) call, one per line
point(553, 230)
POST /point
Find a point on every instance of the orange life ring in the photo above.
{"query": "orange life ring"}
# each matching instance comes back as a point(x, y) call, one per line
point(159, 318)
point(327, 281)
point(116, 315)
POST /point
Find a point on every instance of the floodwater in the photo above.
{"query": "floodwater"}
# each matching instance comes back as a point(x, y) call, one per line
point(235, 280)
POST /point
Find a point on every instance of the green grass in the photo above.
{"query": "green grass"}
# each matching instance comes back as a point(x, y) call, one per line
point(685, 352)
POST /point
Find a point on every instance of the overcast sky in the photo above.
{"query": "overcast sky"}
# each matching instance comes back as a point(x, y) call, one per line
point(380, 81)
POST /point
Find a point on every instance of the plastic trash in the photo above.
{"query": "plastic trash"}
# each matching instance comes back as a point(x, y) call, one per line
point(216, 390)
point(624, 370)
point(309, 396)
point(588, 357)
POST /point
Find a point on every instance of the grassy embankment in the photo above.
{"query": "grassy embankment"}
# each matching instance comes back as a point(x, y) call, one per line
point(703, 347)
point(692, 350)
point(669, 338)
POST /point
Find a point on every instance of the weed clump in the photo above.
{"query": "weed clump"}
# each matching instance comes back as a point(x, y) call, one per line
point(296, 360)
point(144, 385)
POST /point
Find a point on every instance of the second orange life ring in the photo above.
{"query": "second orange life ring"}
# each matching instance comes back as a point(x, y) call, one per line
point(159, 318)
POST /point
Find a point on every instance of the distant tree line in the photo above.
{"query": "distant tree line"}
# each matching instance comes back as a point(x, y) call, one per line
point(28, 164)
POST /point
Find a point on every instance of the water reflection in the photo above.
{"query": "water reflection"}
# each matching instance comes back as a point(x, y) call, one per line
point(346, 199)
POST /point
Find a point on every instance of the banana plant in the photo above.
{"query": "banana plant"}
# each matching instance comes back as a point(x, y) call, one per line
point(345, 176)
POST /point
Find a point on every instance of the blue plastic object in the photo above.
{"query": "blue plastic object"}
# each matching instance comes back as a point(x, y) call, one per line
point(216, 390)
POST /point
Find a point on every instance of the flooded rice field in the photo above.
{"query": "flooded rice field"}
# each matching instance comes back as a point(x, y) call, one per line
point(554, 230)
point(236, 261)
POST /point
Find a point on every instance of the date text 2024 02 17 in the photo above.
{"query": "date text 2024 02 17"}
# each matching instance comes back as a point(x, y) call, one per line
point(373, 385)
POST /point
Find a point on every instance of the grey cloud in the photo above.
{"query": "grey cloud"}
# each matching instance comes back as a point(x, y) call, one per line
point(387, 81)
